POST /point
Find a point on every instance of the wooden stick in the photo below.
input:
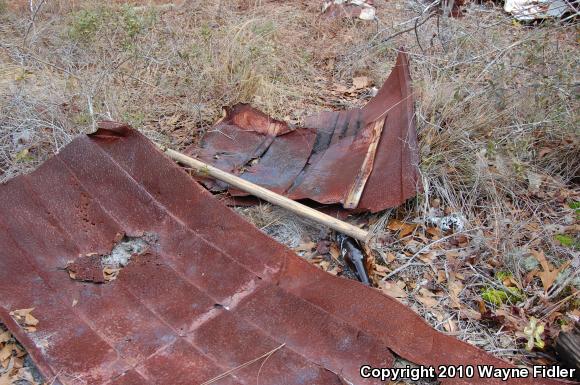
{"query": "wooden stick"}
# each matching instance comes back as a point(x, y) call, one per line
point(267, 195)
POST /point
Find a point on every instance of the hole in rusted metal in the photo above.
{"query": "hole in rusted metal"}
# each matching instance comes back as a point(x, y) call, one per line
point(97, 268)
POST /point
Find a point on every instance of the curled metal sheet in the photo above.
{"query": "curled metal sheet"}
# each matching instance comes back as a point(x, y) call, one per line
point(334, 158)
point(208, 293)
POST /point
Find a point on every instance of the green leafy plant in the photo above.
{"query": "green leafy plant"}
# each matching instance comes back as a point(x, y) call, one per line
point(533, 332)
point(23, 156)
point(497, 297)
point(567, 241)
point(132, 22)
point(501, 275)
point(85, 24)
point(575, 205)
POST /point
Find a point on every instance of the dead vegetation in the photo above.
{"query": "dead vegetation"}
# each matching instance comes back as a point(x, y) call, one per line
point(15, 365)
point(496, 107)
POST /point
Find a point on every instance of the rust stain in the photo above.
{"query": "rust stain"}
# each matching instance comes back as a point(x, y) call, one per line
point(364, 158)
point(213, 294)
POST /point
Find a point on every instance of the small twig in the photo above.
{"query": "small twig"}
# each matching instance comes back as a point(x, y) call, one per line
point(558, 305)
point(246, 364)
point(31, 56)
point(417, 34)
point(32, 18)
point(413, 28)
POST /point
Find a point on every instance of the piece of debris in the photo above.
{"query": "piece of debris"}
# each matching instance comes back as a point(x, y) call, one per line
point(362, 9)
point(25, 319)
point(16, 367)
point(568, 348)
point(354, 258)
point(202, 305)
point(365, 158)
point(105, 268)
point(526, 10)
point(453, 222)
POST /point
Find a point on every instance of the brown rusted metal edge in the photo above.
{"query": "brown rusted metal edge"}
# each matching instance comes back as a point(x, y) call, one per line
point(336, 158)
point(211, 293)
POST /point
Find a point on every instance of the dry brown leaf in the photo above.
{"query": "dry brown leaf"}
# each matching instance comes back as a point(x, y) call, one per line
point(5, 379)
point(427, 298)
point(25, 319)
point(427, 257)
point(381, 271)
point(340, 88)
point(21, 312)
point(361, 82)
point(335, 270)
point(549, 274)
point(455, 288)
point(509, 320)
point(482, 307)
point(403, 228)
point(30, 320)
point(26, 375)
point(6, 353)
point(438, 315)
point(323, 264)
point(509, 281)
point(110, 273)
point(334, 252)
point(460, 240)
point(18, 363)
point(450, 326)
point(19, 351)
point(441, 277)
point(5, 337)
point(392, 290)
point(467, 312)
point(435, 232)
point(308, 246)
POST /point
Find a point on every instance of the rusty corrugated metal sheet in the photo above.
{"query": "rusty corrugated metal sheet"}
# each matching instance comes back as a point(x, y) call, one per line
point(322, 162)
point(210, 293)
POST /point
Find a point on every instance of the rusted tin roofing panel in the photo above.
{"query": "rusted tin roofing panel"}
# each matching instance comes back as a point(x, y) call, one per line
point(209, 293)
point(324, 161)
